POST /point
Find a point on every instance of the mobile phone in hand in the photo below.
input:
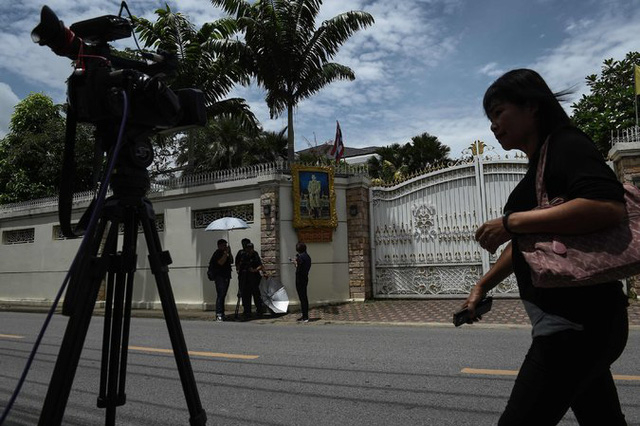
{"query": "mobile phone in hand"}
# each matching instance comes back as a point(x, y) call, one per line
point(462, 316)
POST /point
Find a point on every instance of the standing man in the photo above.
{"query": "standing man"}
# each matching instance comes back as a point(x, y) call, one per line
point(241, 269)
point(250, 267)
point(303, 265)
point(220, 271)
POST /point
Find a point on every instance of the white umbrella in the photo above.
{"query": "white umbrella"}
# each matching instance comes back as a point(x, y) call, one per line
point(227, 224)
point(274, 295)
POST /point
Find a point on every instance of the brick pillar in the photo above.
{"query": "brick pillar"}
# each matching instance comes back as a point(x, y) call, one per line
point(626, 161)
point(270, 230)
point(360, 283)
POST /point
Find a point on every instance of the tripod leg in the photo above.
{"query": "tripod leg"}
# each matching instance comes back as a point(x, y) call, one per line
point(159, 261)
point(117, 320)
point(91, 272)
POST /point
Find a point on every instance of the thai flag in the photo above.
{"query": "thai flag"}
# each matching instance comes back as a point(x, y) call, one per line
point(337, 151)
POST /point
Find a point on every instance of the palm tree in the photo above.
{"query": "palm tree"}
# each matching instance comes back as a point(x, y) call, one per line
point(398, 161)
point(423, 151)
point(200, 64)
point(287, 54)
point(221, 144)
point(267, 147)
point(203, 66)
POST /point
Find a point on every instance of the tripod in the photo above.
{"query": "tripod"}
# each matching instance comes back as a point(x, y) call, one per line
point(128, 207)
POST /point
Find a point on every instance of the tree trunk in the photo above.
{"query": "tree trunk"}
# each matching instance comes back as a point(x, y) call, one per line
point(290, 136)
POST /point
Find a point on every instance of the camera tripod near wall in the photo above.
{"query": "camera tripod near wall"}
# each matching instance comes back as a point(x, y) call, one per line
point(128, 103)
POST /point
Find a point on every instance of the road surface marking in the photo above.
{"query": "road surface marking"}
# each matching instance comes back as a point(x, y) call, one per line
point(10, 336)
point(195, 353)
point(515, 373)
point(490, 372)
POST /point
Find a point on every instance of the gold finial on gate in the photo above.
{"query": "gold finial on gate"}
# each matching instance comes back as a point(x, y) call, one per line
point(477, 148)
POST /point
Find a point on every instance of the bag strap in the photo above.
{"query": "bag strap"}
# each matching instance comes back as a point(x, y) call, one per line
point(541, 189)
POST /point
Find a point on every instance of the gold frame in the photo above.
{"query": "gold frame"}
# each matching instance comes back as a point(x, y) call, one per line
point(323, 216)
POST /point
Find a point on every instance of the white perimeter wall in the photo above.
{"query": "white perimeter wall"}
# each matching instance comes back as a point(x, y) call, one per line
point(32, 273)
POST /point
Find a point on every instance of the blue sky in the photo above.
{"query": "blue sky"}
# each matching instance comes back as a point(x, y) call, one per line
point(422, 67)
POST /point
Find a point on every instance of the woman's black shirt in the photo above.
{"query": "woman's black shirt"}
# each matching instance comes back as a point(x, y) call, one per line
point(574, 169)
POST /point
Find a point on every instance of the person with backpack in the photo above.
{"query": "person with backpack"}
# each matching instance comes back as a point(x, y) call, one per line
point(220, 272)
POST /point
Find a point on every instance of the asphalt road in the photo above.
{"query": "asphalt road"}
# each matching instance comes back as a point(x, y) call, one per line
point(292, 374)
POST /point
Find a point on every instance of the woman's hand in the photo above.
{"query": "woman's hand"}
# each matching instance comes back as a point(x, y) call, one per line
point(492, 235)
point(475, 296)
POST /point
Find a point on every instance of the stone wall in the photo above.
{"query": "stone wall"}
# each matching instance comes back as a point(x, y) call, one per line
point(270, 229)
point(359, 236)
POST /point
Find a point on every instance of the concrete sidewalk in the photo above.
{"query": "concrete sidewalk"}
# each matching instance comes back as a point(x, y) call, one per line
point(505, 312)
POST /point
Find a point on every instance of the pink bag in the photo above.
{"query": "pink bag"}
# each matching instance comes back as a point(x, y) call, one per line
point(580, 260)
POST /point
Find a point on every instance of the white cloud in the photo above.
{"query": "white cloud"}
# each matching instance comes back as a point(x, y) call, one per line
point(411, 76)
point(492, 70)
point(582, 53)
point(8, 101)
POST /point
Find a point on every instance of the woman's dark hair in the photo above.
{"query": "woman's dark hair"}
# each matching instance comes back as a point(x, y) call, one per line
point(526, 87)
point(222, 241)
point(301, 247)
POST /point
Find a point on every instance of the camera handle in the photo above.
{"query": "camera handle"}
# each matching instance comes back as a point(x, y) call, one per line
point(128, 207)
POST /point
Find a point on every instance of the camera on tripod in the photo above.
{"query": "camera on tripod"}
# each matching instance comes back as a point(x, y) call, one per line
point(100, 76)
point(96, 89)
point(128, 102)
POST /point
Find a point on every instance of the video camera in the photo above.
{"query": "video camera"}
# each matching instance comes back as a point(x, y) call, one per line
point(99, 76)
point(95, 95)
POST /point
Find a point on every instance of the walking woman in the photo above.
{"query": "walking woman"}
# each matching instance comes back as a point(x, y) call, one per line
point(578, 332)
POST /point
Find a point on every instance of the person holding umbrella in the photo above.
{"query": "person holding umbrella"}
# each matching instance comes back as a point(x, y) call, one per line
point(220, 272)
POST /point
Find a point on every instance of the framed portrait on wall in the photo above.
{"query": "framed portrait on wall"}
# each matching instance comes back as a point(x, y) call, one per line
point(314, 198)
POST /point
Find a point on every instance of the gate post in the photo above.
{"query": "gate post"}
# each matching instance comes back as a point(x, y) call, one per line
point(481, 202)
point(625, 154)
point(270, 229)
point(359, 239)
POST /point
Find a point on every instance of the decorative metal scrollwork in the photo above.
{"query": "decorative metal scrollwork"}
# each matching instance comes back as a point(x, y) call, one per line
point(423, 222)
point(202, 218)
point(427, 280)
point(18, 236)
point(392, 235)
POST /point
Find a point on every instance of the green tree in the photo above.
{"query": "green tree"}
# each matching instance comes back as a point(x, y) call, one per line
point(424, 151)
point(267, 147)
point(400, 161)
point(31, 153)
point(287, 54)
point(610, 104)
point(386, 162)
point(225, 143)
point(202, 64)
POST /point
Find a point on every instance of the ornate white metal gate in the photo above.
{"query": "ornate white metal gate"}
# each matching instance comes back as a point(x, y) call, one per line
point(423, 229)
